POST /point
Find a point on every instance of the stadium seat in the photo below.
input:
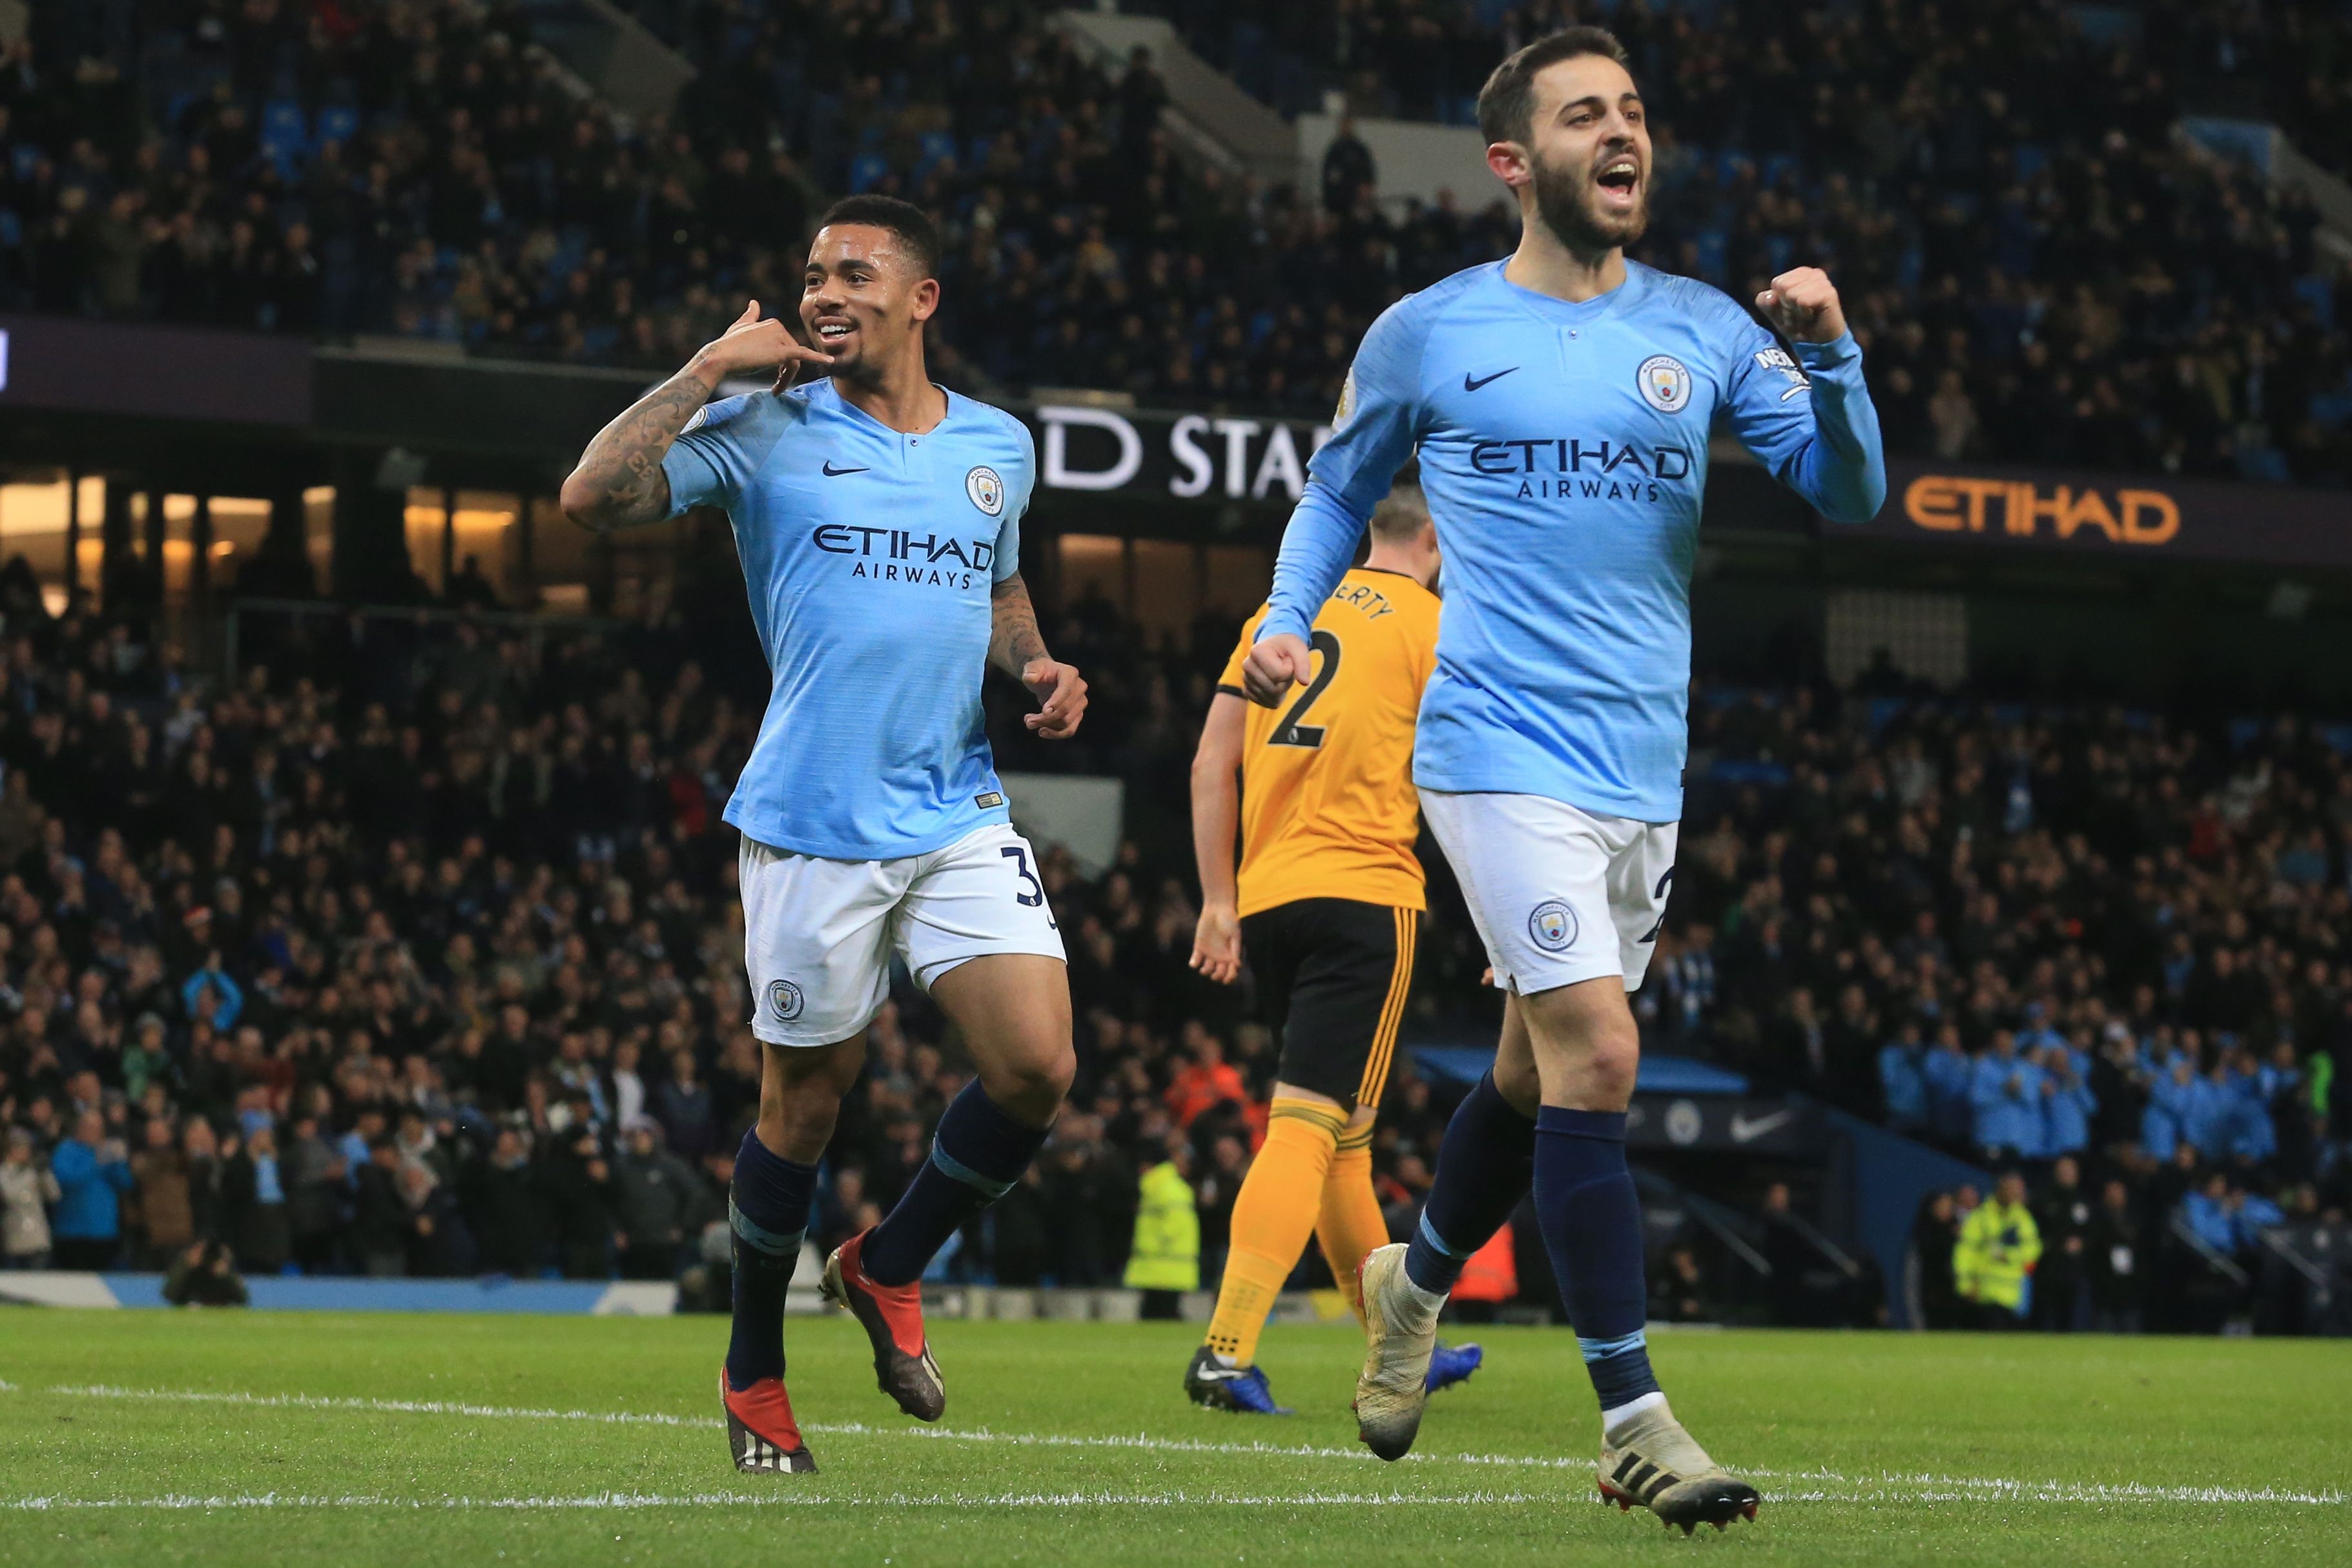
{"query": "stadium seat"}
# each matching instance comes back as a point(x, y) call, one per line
point(285, 134)
point(335, 122)
point(935, 147)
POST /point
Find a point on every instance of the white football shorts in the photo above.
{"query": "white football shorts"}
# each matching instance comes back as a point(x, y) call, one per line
point(1559, 894)
point(818, 935)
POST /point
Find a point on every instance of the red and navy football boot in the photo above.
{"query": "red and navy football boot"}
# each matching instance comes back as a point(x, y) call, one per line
point(892, 1316)
point(761, 1430)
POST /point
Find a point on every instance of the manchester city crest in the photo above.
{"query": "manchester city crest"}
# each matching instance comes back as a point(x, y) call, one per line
point(783, 1000)
point(986, 490)
point(1551, 925)
point(1665, 383)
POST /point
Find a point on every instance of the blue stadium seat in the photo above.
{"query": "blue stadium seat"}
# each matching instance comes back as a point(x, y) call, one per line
point(2265, 463)
point(285, 136)
point(2314, 291)
point(1736, 772)
point(935, 146)
point(336, 122)
point(866, 171)
point(284, 127)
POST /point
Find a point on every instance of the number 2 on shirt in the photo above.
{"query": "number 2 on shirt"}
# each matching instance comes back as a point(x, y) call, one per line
point(1290, 731)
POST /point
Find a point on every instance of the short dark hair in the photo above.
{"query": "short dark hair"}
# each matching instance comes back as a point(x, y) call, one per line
point(1507, 104)
point(904, 219)
point(1401, 515)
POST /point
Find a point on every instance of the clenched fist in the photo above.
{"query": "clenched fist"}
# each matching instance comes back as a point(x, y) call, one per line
point(1275, 665)
point(1803, 304)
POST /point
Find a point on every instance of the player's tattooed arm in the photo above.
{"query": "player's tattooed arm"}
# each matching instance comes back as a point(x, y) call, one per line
point(619, 482)
point(1014, 641)
point(1018, 649)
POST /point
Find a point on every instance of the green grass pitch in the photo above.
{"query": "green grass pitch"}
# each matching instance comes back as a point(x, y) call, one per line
point(155, 1438)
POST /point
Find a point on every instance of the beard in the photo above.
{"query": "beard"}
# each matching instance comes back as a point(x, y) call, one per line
point(1568, 202)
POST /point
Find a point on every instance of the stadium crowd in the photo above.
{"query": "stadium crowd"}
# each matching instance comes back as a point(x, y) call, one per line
point(2040, 271)
point(415, 951)
point(1424, 59)
point(2100, 948)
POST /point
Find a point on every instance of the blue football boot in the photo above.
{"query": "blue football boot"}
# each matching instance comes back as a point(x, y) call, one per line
point(1239, 1389)
point(1451, 1364)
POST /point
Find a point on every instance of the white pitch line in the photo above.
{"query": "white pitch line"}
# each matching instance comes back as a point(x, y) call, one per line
point(1886, 1486)
point(384, 1406)
point(821, 1428)
point(784, 1499)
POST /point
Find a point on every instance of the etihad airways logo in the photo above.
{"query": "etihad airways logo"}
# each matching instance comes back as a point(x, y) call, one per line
point(2019, 508)
point(897, 555)
point(1563, 468)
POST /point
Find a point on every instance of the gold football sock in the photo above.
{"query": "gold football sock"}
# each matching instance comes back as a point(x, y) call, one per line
point(1272, 1216)
point(1350, 1224)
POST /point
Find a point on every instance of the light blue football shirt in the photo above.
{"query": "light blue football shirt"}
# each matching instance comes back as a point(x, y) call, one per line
point(1563, 449)
point(871, 556)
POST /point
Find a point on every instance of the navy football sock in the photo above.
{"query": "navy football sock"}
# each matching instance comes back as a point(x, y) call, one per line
point(1483, 1169)
point(1591, 1220)
point(977, 1155)
point(768, 1210)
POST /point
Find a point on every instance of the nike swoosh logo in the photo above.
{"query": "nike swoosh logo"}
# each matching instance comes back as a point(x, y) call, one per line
point(1473, 382)
point(833, 473)
point(1744, 1130)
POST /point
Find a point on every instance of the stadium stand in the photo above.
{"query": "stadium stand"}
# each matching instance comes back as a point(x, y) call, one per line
point(407, 951)
point(2100, 292)
point(419, 961)
point(1424, 59)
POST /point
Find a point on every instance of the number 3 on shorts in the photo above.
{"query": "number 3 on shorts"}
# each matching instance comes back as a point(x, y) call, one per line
point(1035, 896)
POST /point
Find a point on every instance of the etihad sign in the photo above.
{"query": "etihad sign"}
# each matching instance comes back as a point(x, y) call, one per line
point(2019, 508)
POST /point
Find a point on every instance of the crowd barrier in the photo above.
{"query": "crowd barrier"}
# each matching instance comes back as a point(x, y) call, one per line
point(55, 1288)
point(322, 1294)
